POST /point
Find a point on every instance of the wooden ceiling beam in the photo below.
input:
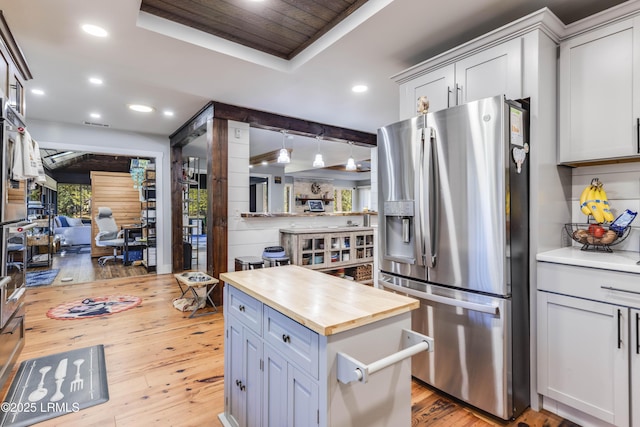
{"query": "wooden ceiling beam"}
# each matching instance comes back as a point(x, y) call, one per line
point(277, 122)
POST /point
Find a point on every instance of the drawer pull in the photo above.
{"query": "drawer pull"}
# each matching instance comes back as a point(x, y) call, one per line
point(241, 308)
point(286, 338)
point(611, 288)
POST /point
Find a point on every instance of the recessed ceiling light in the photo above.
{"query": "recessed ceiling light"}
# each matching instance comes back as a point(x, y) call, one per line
point(95, 115)
point(140, 108)
point(359, 88)
point(94, 30)
point(95, 80)
point(37, 91)
point(168, 113)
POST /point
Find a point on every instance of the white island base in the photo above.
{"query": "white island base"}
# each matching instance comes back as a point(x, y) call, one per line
point(281, 351)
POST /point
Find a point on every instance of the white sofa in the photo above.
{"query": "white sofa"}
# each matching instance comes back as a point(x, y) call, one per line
point(71, 231)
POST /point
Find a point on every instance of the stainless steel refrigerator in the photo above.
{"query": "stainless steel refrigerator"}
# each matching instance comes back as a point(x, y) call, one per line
point(454, 233)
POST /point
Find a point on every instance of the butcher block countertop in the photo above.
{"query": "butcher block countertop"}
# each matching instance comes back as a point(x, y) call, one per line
point(323, 303)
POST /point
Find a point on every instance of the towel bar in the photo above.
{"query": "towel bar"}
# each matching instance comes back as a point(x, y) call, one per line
point(350, 369)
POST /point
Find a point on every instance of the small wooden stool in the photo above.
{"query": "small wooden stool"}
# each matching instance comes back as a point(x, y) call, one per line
point(193, 280)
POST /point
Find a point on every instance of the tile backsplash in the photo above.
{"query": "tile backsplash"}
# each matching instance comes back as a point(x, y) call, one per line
point(622, 183)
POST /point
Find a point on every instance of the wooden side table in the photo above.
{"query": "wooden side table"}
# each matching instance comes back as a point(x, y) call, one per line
point(193, 280)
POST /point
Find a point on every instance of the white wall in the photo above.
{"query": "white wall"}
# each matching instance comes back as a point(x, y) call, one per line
point(64, 136)
point(622, 184)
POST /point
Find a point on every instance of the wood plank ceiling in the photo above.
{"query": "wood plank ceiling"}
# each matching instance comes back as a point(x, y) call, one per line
point(282, 28)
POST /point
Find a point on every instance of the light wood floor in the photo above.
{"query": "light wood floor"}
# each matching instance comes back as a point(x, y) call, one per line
point(165, 369)
point(81, 268)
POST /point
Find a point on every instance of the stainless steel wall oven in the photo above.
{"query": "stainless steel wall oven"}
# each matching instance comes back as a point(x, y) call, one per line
point(13, 242)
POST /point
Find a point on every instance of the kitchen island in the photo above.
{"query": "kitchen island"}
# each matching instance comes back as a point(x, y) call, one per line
point(293, 337)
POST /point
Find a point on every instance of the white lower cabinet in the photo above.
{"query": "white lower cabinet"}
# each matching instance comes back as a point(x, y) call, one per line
point(265, 386)
point(290, 396)
point(583, 358)
point(245, 387)
point(589, 344)
point(635, 368)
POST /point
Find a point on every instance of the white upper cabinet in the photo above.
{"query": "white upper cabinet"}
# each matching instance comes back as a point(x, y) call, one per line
point(493, 71)
point(600, 94)
point(436, 86)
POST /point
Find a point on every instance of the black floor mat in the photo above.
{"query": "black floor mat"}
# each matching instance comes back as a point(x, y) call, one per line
point(55, 385)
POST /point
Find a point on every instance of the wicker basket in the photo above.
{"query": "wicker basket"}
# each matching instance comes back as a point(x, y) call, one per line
point(364, 272)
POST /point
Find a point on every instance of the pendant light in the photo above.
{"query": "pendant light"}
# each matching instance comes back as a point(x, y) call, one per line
point(283, 156)
point(318, 162)
point(351, 164)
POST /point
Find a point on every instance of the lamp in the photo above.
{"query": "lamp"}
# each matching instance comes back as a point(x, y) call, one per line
point(351, 164)
point(318, 162)
point(283, 156)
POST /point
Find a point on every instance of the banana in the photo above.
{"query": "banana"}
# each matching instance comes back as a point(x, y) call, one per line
point(606, 208)
point(593, 203)
point(583, 200)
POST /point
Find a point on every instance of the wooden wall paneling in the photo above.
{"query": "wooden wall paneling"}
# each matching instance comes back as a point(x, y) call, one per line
point(217, 197)
point(177, 261)
point(114, 190)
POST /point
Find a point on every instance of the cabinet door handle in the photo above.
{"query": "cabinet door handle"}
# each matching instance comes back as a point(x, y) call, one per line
point(458, 91)
point(241, 307)
point(619, 332)
point(448, 96)
point(638, 134)
point(286, 338)
point(637, 333)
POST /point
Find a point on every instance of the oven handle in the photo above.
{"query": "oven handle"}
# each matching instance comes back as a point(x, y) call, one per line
point(17, 294)
point(4, 281)
point(489, 309)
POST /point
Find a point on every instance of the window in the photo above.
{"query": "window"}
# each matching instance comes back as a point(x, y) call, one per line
point(74, 200)
point(343, 199)
point(198, 207)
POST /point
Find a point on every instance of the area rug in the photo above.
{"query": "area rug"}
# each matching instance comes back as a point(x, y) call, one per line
point(55, 385)
point(93, 307)
point(41, 277)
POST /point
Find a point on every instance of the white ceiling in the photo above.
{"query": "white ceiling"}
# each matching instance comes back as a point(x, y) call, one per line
point(142, 66)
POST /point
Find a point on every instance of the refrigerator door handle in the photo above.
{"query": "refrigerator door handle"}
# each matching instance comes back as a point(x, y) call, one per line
point(429, 211)
point(419, 215)
point(489, 309)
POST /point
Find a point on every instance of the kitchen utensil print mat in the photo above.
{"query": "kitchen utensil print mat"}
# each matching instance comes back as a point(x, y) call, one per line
point(55, 385)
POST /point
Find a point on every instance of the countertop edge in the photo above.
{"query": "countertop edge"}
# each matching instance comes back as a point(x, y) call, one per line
point(622, 261)
point(300, 215)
